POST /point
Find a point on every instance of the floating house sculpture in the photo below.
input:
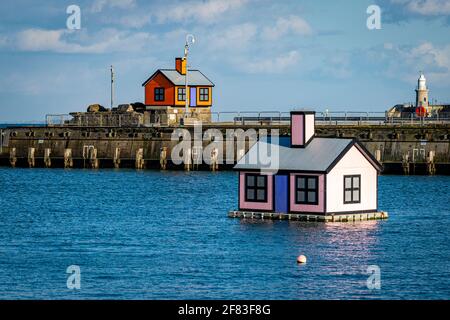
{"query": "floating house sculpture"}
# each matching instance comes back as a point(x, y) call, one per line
point(165, 93)
point(320, 179)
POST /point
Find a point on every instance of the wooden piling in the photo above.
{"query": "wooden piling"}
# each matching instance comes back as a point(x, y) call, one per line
point(31, 159)
point(68, 161)
point(187, 157)
point(163, 158)
point(12, 157)
point(140, 162)
point(214, 159)
point(116, 158)
point(47, 159)
point(405, 163)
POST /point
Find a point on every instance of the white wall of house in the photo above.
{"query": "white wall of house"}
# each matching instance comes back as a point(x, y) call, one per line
point(353, 163)
point(309, 126)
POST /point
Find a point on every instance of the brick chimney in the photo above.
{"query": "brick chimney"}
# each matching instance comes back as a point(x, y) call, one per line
point(180, 65)
point(302, 128)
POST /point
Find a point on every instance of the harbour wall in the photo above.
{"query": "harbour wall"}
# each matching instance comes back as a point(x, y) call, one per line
point(402, 149)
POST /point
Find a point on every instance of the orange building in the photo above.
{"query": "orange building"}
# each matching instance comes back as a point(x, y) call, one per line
point(166, 88)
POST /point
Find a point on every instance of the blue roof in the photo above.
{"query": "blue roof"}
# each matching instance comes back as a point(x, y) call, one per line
point(318, 155)
point(195, 78)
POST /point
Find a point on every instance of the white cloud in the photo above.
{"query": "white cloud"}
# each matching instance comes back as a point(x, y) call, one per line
point(404, 62)
point(426, 7)
point(137, 20)
point(277, 64)
point(204, 11)
point(286, 25)
point(65, 41)
point(100, 5)
point(234, 38)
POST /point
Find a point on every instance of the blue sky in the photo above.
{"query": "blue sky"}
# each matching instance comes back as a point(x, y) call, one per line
point(262, 55)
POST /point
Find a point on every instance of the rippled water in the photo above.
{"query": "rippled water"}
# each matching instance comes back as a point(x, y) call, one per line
point(165, 235)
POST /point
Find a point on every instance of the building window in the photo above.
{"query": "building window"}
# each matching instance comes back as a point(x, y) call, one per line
point(159, 94)
point(307, 190)
point(204, 94)
point(352, 189)
point(181, 94)
point(255, 188)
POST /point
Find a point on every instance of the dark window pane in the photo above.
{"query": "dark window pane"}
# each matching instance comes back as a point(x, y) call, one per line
point(251, 181)
point(301, 183)
point(311, 183)
point(311, 196)
point(260, 194)
point(250, 194)
point(301, 196)
point(261, 182)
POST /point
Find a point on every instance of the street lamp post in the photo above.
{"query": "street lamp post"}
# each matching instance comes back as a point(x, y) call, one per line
point(189, 39)
point(112, 87)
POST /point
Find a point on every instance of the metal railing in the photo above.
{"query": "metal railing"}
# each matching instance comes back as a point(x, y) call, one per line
point(249, 118)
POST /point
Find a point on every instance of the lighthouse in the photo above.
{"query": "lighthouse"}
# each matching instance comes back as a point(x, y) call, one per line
point(422, 92)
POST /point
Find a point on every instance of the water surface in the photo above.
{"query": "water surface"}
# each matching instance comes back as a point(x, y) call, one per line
point(166, 235)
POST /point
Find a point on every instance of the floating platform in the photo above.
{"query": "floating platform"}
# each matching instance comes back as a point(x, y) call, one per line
point(342, 217)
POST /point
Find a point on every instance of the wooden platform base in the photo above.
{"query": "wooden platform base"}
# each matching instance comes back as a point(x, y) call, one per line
point(343, 217)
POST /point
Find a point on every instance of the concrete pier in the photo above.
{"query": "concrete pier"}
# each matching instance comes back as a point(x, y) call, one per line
point(405, 149)
point(342, 217)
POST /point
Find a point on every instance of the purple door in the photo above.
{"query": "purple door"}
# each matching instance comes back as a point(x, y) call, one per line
point(281, 193)
point(193, 97)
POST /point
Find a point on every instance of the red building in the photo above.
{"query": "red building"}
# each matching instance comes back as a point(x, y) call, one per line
point(166, 88)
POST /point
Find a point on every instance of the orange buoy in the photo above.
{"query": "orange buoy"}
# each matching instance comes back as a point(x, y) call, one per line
point(301, 259)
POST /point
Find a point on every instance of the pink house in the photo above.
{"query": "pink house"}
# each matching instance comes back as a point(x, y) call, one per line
point(305, 174)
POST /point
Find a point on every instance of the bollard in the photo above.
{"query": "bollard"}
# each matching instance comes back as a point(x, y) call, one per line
point(68, 161)
point(12, 157)
point(31, 160)
point(116, 158)
point(140, 159)
point(47, 160)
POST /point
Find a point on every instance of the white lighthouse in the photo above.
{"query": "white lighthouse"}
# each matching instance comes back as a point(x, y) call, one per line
point(422, 92)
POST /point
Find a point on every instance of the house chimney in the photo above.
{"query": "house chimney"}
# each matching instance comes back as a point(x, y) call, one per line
point(180, 65)
point(302, 128)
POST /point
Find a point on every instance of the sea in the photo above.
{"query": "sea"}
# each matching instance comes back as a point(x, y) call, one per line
point(127, 234)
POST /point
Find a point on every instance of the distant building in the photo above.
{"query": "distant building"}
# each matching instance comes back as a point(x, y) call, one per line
point(422, 106)
point(422, 93)
point(165, 92)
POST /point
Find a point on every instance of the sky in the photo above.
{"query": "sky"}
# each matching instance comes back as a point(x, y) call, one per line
point(261, 55)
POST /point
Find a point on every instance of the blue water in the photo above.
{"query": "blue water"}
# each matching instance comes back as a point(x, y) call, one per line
point(165, 235)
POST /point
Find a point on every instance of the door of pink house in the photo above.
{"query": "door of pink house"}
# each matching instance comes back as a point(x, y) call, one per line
point(281, 193)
